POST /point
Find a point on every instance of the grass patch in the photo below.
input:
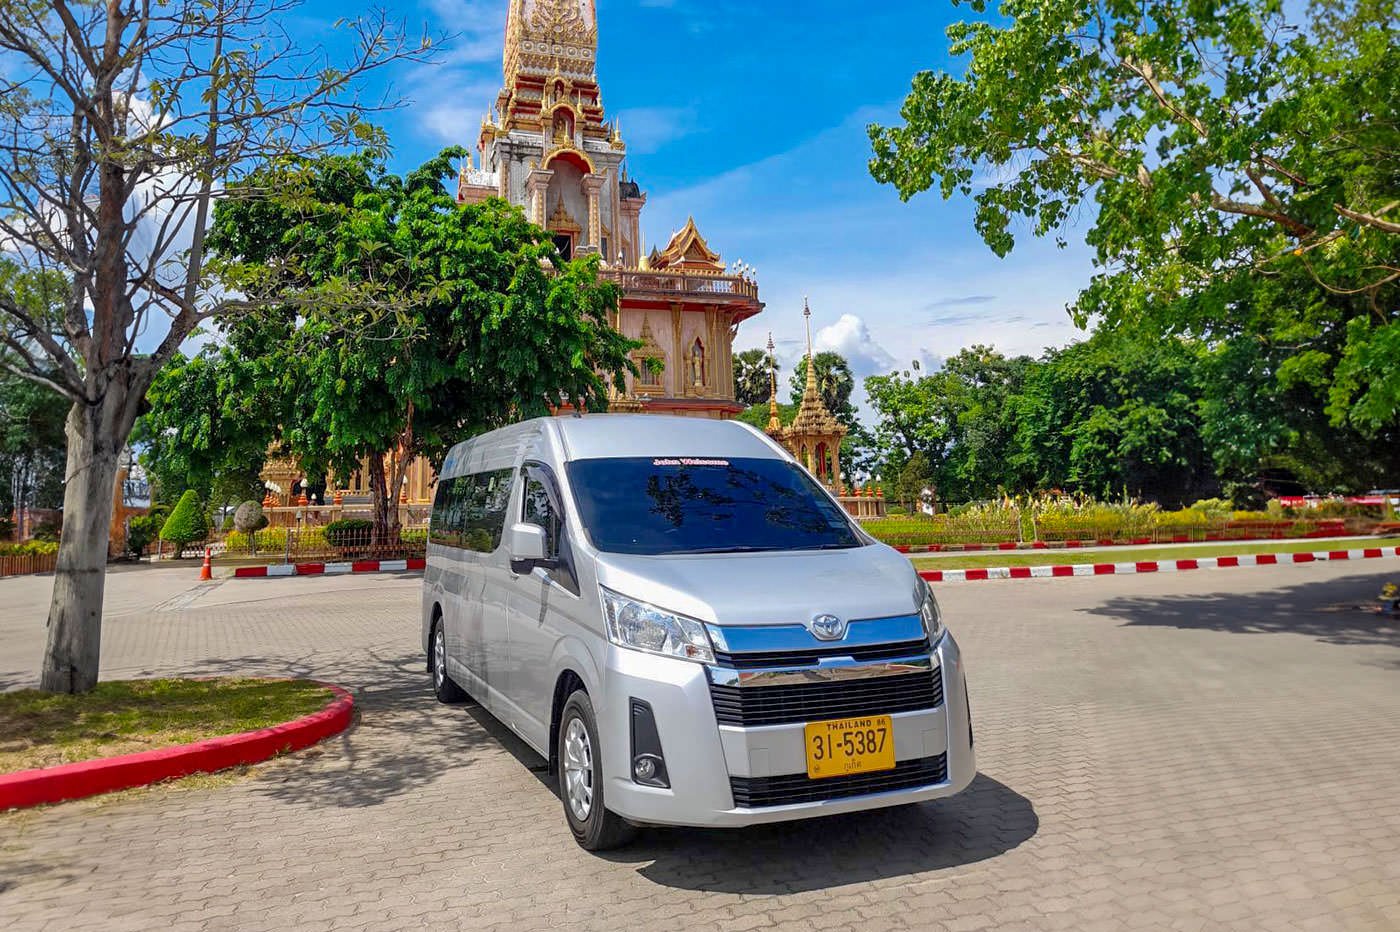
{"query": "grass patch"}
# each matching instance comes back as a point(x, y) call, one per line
point(1130, 554)
point(43, 730)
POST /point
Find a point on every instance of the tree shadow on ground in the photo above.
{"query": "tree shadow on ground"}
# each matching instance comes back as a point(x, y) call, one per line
point(399, 742)
point(1334, 611)
point(985, 820)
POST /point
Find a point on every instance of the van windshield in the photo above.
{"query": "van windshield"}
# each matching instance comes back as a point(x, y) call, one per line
point(678, 505)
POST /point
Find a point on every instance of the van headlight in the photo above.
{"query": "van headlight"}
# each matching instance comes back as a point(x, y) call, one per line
point(639, 626)
point(928, 610)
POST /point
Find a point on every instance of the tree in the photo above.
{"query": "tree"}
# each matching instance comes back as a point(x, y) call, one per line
point(186, 524)
point(119, 125)
point(195, 437)
point(915, 476)
point(31, 446)
point(752, 381)
point(492, 326)
point(1215, 148)
point(834, 383)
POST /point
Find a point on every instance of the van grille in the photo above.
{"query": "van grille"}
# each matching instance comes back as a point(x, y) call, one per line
point(749, 706)
point(812, 656)
point(754, 792)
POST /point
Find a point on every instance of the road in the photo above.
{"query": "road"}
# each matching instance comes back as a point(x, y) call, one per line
point(1207, 750)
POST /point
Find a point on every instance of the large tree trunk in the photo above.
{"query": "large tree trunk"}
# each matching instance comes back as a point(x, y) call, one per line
point(96, 435)
point(383, 506)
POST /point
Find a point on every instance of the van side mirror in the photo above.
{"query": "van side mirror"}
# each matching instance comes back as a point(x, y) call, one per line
point(526, 543)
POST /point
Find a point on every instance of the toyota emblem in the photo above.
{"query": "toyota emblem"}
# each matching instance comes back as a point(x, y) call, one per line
point(828, 627)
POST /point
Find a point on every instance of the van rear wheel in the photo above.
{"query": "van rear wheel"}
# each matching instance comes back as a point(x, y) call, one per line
point(447, 692)
point(581, 780)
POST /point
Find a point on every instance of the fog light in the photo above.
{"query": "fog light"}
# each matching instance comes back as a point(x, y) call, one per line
point(648, 763)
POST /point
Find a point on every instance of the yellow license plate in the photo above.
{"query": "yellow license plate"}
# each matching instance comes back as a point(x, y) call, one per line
point(850, 745)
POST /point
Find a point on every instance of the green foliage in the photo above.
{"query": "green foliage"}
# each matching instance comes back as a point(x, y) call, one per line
point(348, 532)
point(7, 528)
point(198, 434)
point(29, 548)
point(33, 446)
point(752, 380)
point(141, 532)
point(485, 323)
point(186, 524)
point(914, 476)
point(1191, 135)
point(48, 531)
point(758, 414)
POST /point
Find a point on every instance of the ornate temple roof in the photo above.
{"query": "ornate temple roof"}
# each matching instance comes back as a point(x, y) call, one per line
point(813, 420)
point(688, 250)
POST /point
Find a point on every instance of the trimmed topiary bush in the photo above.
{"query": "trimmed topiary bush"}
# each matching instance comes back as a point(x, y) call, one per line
point(186, 524)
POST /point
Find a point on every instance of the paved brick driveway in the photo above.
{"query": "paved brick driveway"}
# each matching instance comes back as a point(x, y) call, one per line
point(1214, 750)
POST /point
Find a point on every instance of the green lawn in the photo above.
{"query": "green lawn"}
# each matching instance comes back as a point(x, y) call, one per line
point(42, 730)
point(1133, 554)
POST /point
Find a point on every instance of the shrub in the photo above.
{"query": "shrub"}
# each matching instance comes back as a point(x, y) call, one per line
point(186, 524)
point(48, 531)
point(349, 532)
point(7, 529)
point(30, 548)
point(141, 530)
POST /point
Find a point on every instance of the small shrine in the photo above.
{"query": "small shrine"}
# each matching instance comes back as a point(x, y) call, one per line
point(815, 435)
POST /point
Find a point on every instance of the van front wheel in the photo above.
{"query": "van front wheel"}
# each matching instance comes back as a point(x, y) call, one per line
point(447, 692)
point(581, 780)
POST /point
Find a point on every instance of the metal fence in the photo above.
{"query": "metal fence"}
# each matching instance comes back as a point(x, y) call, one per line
point(300, 545)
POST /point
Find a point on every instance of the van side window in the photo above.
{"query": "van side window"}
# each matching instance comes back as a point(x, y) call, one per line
point(541, 507)
point(539, 510)
point(469, 512)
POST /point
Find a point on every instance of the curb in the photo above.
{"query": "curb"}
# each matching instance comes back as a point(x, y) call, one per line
point(1020, 546)
point(330, 569)
point(107, 774)
point(1155, 566)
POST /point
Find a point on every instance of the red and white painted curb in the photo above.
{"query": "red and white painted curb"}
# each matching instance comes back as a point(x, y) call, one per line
point(330, 569)
point(1155, 566)
point(106, 774)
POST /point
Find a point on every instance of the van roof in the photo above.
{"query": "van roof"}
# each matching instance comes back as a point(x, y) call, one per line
point(603, 436)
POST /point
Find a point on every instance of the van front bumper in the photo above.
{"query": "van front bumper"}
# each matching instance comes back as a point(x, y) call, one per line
point(703, 757)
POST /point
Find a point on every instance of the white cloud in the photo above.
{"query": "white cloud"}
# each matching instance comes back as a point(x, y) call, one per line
point(850, 337)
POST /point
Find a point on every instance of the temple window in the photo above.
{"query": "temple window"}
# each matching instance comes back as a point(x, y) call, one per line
point(650, 370)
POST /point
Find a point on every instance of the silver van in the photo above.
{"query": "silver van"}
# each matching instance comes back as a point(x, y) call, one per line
point(687, 626)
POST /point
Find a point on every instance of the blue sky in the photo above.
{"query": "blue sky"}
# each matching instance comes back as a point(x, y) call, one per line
point(751, 116)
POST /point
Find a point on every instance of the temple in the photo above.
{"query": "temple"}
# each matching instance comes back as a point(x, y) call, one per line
point(546, 146)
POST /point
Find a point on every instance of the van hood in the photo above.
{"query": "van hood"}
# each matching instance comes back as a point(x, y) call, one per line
point(768, 588)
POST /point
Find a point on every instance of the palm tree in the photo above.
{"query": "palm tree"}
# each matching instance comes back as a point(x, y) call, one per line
point(751, 377)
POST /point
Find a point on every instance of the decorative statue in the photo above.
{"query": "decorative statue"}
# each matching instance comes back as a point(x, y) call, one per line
point(697, 363)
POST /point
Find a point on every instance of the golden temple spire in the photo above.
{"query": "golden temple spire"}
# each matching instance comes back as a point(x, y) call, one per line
point(774, 422)
point(811, 387)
